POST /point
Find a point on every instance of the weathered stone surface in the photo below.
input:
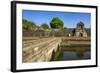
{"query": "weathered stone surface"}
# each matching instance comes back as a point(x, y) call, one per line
point(41, 50)
point(80, 30)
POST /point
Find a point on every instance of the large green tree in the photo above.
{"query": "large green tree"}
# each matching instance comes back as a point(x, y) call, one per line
point(28, 25)
point(56, 22)
point(45, 26)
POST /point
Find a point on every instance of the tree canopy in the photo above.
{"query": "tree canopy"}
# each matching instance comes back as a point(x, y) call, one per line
point(45, 26)
point(28, 25)
point(56, 22)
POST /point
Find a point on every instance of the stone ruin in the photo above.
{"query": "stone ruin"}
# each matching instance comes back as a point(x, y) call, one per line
point(80, 30)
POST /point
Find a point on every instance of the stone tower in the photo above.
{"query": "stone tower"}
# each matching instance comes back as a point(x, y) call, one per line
point(80, 30)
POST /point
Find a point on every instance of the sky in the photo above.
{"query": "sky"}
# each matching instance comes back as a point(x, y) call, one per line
point(70, 19)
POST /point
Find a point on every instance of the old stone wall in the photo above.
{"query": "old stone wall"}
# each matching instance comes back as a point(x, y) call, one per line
point(63, 32)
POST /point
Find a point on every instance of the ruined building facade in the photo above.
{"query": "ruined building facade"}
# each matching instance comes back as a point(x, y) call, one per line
point(80, 30)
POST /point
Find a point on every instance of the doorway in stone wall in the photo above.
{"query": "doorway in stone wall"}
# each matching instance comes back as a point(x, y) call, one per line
point(80, 35)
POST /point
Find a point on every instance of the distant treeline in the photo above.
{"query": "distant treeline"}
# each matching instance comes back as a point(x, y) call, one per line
point(55, 23)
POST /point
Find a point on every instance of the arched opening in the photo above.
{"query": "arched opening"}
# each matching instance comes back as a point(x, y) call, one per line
point(80, 35)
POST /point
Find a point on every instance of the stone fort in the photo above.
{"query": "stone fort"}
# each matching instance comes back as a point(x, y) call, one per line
point(79, 31)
